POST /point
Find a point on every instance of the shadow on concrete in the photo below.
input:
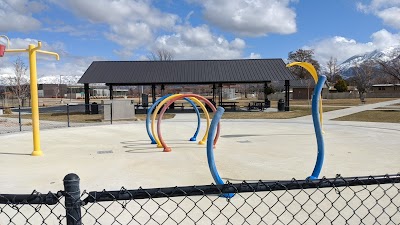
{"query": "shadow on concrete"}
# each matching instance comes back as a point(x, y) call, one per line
point(258, 135)
point(10, 153)
point(144, 150)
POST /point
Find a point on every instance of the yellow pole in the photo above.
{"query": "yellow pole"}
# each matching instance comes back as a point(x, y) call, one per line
point(311, 69)
point(32, 49)
point(34, 101)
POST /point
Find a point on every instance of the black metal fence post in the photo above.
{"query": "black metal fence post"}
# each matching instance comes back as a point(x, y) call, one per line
point(19, 118)
point(72, 199)
point(111, 112)
point(68, 114)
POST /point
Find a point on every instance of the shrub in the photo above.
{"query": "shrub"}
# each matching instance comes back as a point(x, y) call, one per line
point(7, 111)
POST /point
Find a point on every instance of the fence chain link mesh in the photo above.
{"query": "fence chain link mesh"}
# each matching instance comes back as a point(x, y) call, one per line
point(362, 200)
point(35, 208)
point(60, 116)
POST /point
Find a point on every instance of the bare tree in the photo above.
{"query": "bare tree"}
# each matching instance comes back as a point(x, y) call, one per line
point(391, 67)
point(302, 55)
point(161, 55)
point(363, 75)
point(333, 71)
point(19, 82)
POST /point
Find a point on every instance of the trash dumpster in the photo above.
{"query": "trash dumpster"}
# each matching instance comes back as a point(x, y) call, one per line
point(94, 108)
point(281, 105)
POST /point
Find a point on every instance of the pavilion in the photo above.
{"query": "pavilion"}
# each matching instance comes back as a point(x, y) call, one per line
point(181, 72)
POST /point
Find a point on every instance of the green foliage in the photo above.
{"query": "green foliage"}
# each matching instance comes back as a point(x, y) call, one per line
point(302, 55)
point(341, 85)
point(270, 90)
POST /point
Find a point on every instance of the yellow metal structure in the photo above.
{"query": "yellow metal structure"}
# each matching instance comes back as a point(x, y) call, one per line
point(161, 104)
point(310, 68)
point(32, 49)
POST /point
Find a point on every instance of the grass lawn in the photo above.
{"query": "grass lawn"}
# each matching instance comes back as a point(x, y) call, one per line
point(296, 111)
point(386, 116)
point(243, 103)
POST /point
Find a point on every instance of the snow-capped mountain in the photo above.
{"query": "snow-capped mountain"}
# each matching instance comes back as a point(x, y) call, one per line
point(386, 54)
point(58, 79)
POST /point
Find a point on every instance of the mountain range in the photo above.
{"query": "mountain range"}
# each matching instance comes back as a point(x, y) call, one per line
point(345, 68)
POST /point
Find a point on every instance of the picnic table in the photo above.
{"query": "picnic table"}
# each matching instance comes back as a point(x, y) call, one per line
point(231, 105)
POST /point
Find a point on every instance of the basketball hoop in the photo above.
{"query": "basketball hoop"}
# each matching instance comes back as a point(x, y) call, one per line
point(2, 50)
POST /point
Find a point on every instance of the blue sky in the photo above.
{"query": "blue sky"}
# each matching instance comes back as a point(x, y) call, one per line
point(83, 31)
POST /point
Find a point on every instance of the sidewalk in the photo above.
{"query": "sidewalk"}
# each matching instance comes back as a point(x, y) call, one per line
point(351, 110)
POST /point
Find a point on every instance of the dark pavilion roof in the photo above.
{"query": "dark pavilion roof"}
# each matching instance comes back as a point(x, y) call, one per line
point(186, 72)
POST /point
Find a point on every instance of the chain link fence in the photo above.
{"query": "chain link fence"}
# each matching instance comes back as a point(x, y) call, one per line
point(69, 115)
point(339, 200)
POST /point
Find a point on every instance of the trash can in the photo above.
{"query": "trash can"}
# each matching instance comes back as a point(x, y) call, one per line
point(94, 108)
point(281, 105)
point(212, 102)
point(267, 104)
point(145, 100)
point(172, 106)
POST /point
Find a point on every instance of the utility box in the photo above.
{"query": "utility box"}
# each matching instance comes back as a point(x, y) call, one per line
point(120, 109)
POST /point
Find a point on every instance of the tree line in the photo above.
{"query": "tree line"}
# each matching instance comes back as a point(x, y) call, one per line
point(362, 76)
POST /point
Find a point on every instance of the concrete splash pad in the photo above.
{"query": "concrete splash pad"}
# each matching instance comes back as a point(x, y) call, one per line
point(112, 156)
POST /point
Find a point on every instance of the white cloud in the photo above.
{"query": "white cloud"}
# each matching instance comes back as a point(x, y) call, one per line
point(67, 67)
point(17, 15)
point(130, 35)
point(251, 17)
point(199, 43)
point(391, 16)
point(342, 48)
point(23, 43)
point(383, 39)
point(254, 56)
point(387, 10)
point(132, 24)
point(46, 65)
point(79, 30)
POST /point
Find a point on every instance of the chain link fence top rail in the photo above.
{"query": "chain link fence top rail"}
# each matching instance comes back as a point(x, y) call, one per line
point(353, 200)
point(60, 116)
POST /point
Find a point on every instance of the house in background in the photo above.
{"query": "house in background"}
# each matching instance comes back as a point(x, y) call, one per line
point(301, 89)
point(386, 88)
point(52, 90)
point(77, 91)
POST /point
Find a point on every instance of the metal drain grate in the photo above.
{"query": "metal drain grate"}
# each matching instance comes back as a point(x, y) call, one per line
point(245, 141)
point(105, 152)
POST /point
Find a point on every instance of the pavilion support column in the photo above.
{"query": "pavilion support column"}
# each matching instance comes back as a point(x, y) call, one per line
point(153, 93)
point(220, 93)
point(213, 92)
point(111, 92)
point(87, 98)
point(267, 102)
point(287, 85)
point(162, 89)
